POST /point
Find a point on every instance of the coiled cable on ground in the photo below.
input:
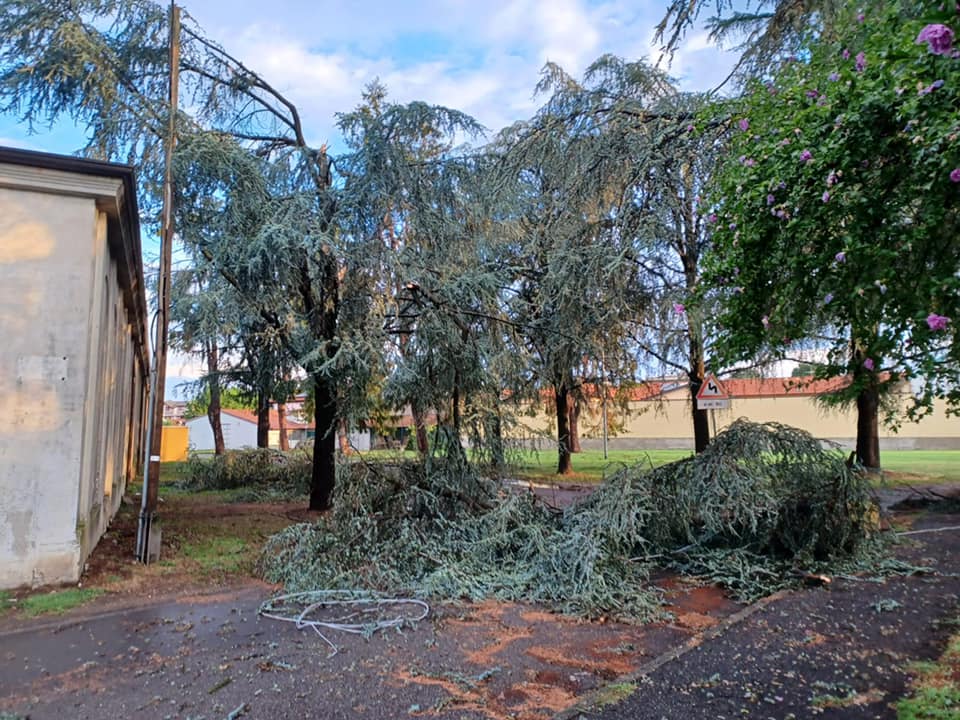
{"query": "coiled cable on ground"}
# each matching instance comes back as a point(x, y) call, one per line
point(363, 613)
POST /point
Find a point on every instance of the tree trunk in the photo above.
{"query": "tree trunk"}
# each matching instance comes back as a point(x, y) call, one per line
point(343, 437)
point(564, 465)
point(324, 445)
point(455, 404)
point(213, 409)
point(263, 420)
point(701, 421)
point(498, 455)
point(420, 426)
point(282, 426)
point(868, 436)
point(574, 423)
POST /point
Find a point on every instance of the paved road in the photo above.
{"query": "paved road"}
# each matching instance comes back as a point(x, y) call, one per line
point(836, 652)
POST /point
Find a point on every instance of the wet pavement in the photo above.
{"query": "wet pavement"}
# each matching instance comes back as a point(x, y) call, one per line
point(842, 651)
point(213, 656)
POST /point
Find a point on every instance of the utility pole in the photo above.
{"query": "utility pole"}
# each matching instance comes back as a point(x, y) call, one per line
point(151, 469)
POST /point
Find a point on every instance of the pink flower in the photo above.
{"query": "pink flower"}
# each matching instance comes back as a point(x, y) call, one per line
point(937, 322)
point(826, 196)
point(955, 175)
point(840, 257)
point(678, 308)
point(744, 124)
point(806, 156)
point(845, 54)
point(861, 62)
point(765, 321)
point(939, 38)
point(712, 218)
point(831, 178)
point(770, 199)
point(868, 364)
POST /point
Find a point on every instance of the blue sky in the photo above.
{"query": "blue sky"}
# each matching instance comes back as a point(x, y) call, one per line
point(483, 58)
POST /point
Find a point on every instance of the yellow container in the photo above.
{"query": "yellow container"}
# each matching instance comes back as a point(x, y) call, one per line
point(174, 440)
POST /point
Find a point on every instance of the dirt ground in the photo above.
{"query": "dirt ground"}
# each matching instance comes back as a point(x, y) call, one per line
point(183, 640)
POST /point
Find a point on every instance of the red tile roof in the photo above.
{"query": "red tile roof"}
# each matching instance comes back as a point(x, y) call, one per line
point(251, 417)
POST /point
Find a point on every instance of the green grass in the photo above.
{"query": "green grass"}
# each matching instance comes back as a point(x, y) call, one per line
point(914, 466)
point(58, 602)
point(218, 554)
point(936, 689)
point(590, 465)
point(940, 466)
point(5, 601)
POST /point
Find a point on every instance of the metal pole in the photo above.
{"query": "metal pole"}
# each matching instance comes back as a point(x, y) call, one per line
point(151, 471)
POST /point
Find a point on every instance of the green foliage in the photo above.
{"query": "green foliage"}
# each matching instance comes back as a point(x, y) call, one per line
point(761, 503)
point(836, 214)
point(265, 474)
point(230, 398)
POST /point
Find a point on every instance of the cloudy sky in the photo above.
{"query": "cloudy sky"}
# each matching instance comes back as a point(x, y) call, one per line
point(481, 57)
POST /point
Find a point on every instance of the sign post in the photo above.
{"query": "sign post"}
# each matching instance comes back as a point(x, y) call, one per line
point(712, 395)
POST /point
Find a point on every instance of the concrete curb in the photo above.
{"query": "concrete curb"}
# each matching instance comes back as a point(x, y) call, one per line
point(598, 698)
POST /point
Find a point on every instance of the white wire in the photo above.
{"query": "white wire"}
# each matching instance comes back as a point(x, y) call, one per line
point(328, 598)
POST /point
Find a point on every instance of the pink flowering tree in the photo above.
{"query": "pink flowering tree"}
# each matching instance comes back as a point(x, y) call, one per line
point(843, 230)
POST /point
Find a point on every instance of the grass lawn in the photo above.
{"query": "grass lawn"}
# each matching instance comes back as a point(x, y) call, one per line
point(590, 465)
point(911, 466)
point(900, 466)
point(940, 466)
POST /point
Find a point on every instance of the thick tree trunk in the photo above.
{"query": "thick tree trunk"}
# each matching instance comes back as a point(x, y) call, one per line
point(574, 423)
point(263, 420)
point(564, 465)
point(697, 374)
point(324, 445)
point(868, 436)
point(213, 409)
point(701, 421)
point(282, 426)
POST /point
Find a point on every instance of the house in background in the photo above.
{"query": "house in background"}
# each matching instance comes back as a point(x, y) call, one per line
point(73, 361)
point(240, 431)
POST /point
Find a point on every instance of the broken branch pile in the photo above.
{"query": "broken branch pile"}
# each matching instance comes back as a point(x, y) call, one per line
point(763, 504)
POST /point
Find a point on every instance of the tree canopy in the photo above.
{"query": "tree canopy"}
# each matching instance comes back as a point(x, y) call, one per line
point(836, 211)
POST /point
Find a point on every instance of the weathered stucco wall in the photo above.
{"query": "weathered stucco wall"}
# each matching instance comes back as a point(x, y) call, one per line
point(45, 278)
point(71, 373)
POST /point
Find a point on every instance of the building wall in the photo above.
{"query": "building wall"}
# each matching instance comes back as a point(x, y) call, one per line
point(666, 423)
point(71, 383)
point(237, 433)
